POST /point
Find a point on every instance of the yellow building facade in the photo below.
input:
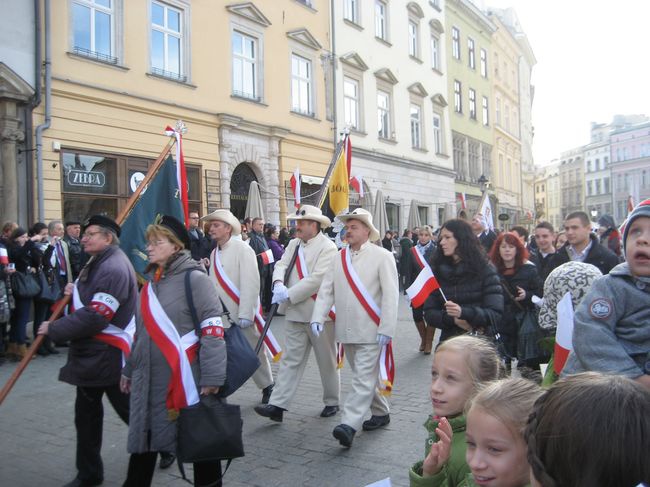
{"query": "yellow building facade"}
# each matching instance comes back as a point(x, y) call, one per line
point(248, 79)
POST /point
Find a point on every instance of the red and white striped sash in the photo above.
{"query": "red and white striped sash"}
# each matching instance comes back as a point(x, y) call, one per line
point(231, 290)
point(386, 362)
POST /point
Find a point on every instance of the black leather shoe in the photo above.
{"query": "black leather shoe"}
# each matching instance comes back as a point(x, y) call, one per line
point(376, 422)
point(345, 434)
point(49, 346)
point(166, 459)
point(274, 413)
point(329, 411)
point(42, 351)
point(77, 482)
point(266, 394)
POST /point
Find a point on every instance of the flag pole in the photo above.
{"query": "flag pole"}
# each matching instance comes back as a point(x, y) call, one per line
point(323, 189)
point(63, 302)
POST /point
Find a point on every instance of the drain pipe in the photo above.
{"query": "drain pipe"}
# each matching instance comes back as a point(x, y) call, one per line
point(48, 117)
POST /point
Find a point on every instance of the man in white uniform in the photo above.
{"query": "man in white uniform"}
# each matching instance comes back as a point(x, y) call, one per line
point(363, 287)
point(313, 260)
point(233, 266)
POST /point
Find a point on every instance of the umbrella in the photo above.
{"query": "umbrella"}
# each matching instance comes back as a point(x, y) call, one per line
point(254, 208)
point(379, 216)
point(414, 216)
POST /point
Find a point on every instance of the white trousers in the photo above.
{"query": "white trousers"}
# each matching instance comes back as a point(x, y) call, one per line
point(299, 341)
point(263, 377)
point(364, 362)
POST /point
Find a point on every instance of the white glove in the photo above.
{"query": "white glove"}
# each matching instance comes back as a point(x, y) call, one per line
point(316, 329)
point(244, 323)
point(280, 294)
point(383, 339)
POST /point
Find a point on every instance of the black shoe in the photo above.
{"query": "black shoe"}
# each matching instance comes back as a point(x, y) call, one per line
point(266, 394)
point(49, 346)
point(42, 351)
point(376, 422)
point(166, 459)
point(329, 411)
point(77, 482)
point(345, 434)
point(274, 413)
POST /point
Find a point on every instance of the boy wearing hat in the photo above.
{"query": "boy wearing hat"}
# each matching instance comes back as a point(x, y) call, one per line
point(612, 322)
point(314, 253)
point(233, 266)
point(107, 289)
point(363, 288)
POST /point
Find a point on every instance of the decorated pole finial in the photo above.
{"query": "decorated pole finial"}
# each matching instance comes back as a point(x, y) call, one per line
point(181, 127)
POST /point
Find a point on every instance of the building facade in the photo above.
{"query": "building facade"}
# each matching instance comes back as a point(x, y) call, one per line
point(598, 192)
point(572, 181)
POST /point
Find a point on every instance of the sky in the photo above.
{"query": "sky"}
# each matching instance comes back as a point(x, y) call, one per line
point(593, 62)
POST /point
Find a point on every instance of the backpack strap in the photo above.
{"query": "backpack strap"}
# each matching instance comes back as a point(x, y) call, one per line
point(190, 302)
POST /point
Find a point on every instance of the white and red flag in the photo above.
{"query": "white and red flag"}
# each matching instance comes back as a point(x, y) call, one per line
point(424, 284)
point(463, 202)
point(4, 257)
point(267, 257)
point(295, 187)
point(357, 183)
point(181, 174)
point(563, 333)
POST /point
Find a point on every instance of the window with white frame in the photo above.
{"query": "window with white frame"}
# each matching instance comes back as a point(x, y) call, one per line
point(498, 110)
point(472, 104)
point(93, 29)
point(486, 112)
point(484, 66)
point(351, 102)
point(381, 20)
point(471, 53)
point(167, 41)
point(455, 43)
point(383, 115)
point(435, 52)
point(301, 85)
point(506, 115)
point(351, 10)
point(437, 133)
point(416, 126)
point(413, 29)
point(245, 72)
point(458, 97)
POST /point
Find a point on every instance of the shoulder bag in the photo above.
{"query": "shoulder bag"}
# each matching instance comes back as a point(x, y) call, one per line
point(25, 285)
point(50, 288)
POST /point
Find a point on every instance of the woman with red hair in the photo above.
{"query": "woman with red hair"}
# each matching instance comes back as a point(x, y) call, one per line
point(520, 281)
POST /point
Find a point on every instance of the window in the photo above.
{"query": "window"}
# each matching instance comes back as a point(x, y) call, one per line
point(351, 98)
point(498, 111)
point(458, 97)
point(471, 53)
point(383, 115)
point(484, 67)
point(381, 23)
point(413, 39)
point(416, 127)
point(351, 10)
point(437, 133)
point(93, 29)
point(486, 112)
point(606, 185)
point(301, 85)
point(245, 66)
point(472, 104)
point(588, 188)
point(455, 43)
point(435, 52)
point(506, 111)
point(597, 189)
point(167, 41)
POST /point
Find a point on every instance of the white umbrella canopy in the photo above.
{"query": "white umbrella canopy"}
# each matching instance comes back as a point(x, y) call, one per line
point(254, 207)
point(414, 216)
point(379, 216)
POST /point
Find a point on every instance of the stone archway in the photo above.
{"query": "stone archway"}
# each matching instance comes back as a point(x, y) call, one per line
point(242, 177)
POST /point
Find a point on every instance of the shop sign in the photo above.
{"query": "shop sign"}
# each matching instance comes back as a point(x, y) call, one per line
point(92, 179)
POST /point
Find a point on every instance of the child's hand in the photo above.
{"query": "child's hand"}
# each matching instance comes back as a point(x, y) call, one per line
point(440, 450)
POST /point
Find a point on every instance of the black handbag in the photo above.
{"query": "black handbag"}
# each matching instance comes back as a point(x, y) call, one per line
point(24, 285)
point(50, 288)
point(529, 346)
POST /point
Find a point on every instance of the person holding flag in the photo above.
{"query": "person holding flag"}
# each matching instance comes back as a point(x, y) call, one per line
point(421, 258)
point(233, 268)
point(314, 253)
point(105, 299)
point(364, 290)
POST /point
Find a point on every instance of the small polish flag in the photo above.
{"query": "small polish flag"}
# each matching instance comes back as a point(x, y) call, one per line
point(4, 258)
point(463, 201)
point(564, 333)
point(267, 257)
point(357, 183)
point(423, 285)
point(295, 187)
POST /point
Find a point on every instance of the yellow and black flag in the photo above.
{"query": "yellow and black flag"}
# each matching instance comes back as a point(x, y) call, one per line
point(336, 187)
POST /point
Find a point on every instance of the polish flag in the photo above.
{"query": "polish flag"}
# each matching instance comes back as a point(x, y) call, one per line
point(630, 204)
point(463, 201)
point(295, 187)
point(564, 333)
point(4, 257)
point(267, 257)
point(357, 183)
point(423, 285)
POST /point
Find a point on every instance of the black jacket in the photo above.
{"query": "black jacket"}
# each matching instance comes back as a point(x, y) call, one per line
point(477, 291)
point(543, 265)
point(78, 257)
point(199, 245)
point(26, 256)
point(598, 256)
point(487, 239)
point(527, 278)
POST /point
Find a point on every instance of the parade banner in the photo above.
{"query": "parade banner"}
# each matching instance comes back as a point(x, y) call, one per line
point(295, 187)
point(181, 173)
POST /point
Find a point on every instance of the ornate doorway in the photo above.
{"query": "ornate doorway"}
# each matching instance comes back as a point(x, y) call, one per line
point(242, 177)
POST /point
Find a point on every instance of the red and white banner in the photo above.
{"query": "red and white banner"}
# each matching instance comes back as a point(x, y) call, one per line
point(301, 268)
point(422, 287)
point(357, 183)
point(348, 153)
point(181, 174)
point(387, 364)
point(563, 333)
point(231, 290)
point(4, 257)
point(267, 257)
point(419, 258)
point(463, 201)
point(295, 187)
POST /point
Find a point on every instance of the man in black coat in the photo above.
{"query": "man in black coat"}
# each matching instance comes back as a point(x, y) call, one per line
point(199, 244)
point(544, 251)
point(258, 243)
point(78, 257)
point(485, 236)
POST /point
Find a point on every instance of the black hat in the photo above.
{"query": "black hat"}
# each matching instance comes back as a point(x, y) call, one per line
point(101, 221)
point(72, 222)
point(177, 228)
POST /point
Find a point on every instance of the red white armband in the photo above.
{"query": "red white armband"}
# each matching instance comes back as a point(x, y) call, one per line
point(212, 327)
point(105, 304)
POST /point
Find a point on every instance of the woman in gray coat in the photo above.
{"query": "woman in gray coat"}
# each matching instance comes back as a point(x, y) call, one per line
point(157, 393)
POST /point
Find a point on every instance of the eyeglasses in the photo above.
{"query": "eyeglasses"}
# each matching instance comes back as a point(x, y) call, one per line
point(90, 234)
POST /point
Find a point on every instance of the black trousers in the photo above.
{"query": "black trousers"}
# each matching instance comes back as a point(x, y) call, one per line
point(142, 466)
point(89, 422)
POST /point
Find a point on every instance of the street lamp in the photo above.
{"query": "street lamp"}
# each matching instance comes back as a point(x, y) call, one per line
point(594, 213)
point(484, 183)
